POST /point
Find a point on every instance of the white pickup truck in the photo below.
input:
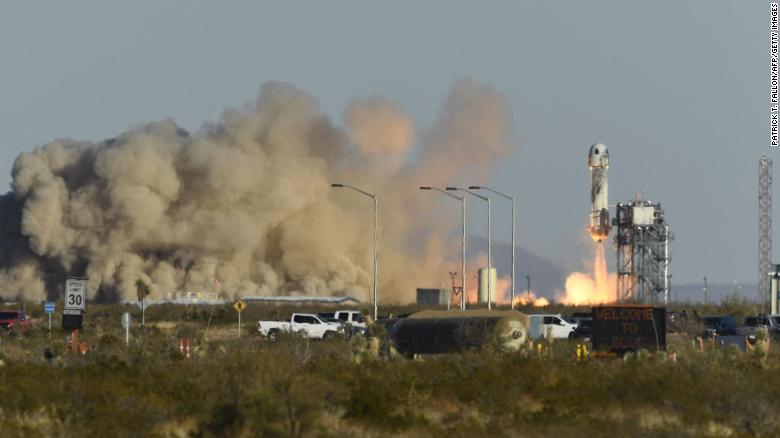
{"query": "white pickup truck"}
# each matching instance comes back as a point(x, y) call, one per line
point(306, 324)
point(351, 317)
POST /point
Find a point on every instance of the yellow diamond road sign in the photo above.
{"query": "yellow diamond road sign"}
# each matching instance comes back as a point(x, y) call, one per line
point(239, 306)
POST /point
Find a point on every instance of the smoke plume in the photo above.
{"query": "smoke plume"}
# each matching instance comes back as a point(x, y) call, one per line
point(245, 205)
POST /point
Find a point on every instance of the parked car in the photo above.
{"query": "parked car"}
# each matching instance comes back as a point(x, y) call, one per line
point(353, 317)
point(353, 321)
point(584, 330)
point(14, 319)
point(576, 317)
point(558, 326)
point(754, 323)
point(719, 325)
point(307, 324)
point(774, 328)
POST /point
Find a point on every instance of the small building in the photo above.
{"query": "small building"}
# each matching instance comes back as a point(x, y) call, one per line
point(432, 297)
point(302, 299)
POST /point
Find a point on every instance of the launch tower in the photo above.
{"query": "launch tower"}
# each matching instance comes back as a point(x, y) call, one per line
point(643, 258)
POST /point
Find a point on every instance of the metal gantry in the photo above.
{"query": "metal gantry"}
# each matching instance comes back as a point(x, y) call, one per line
point(764, 227)
point(643, 257)
point(624, 239)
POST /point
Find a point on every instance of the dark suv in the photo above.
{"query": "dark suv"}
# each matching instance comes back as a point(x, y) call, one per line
point(584, 330)
point(719, 326)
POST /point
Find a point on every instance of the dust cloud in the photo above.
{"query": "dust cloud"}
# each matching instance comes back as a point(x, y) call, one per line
point(244, 206)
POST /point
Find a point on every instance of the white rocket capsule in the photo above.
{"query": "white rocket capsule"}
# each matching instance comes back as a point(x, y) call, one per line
point(598, 161)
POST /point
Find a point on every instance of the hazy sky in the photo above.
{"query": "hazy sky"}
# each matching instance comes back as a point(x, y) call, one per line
point(677, 90)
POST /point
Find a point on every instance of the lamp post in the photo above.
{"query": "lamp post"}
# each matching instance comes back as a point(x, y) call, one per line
point(462, 200)
point(376, 225)
point(512, 199)
point(489, 272)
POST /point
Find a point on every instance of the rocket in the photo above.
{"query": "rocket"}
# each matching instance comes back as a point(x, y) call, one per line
point(598, 162)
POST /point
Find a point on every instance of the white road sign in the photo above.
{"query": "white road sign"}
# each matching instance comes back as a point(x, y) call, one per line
point(75, 297)
point(126, 320)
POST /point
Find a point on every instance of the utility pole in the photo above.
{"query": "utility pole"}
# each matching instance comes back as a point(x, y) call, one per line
point(376, 237)
point(463, 242)
point(489, 266)
point(511, 198)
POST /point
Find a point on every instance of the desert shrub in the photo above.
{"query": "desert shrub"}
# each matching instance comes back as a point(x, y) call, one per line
point(380, 402)
point(738, 306)
point(298, 387)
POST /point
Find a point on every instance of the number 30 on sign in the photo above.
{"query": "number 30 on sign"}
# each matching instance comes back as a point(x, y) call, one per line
point(74, 294)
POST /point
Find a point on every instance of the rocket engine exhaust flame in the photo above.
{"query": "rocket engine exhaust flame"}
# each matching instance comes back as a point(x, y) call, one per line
point(598, 234)
point(244, 205)
point(585, 289)
point(529, 298)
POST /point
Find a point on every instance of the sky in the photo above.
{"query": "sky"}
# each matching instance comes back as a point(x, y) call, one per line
point(677, 90)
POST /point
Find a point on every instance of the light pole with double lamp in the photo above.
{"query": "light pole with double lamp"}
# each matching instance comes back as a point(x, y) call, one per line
point(489, 271)
point(462, 200)
point(512, 199)
point(376, 225)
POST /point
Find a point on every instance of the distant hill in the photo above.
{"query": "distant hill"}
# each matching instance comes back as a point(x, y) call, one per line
point(547, 277)
point(693, 292)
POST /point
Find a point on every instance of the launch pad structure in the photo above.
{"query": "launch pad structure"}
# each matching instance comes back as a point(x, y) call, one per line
point(642, 237)
point(643, 258)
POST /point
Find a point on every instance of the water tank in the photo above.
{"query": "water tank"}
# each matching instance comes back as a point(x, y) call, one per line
point(437, 332)
point(482, 291)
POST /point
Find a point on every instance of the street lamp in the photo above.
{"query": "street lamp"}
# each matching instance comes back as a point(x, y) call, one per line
point(463, 244)
point(512, 199)
point(489, 272)
point(376, 224)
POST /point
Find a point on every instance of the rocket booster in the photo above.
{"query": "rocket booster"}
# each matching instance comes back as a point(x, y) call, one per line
point(598, 162)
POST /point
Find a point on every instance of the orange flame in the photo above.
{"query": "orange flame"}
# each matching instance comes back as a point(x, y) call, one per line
point(582, 288)
point(530, 298)
point(597, 235)
point(503, 288)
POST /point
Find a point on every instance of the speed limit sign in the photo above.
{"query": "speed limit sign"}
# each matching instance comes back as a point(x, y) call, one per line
point(75, 299)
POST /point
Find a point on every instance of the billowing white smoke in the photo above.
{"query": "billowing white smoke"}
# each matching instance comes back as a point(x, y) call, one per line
point(245, 205)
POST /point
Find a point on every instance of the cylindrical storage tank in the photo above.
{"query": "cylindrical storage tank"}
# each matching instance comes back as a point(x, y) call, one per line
point(774, 290)
point(436, 332)
point(482, 290)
